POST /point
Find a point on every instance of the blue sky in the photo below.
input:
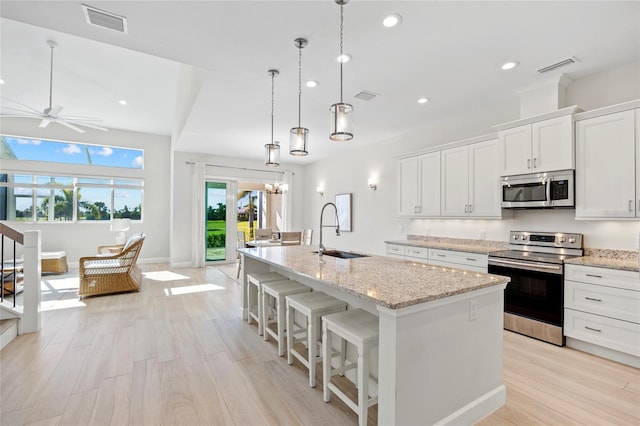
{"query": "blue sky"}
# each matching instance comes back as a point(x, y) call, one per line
point(74, 153)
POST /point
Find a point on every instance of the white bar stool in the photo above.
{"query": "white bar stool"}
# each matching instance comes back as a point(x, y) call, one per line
point(278, 290)
point(313, 306)
point(257, 279)
point(360, 328)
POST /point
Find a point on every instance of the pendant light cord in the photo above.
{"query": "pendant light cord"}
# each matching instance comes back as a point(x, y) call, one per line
point(299, 83)
point(51, 79)
point(273, 74)
point(341, 58)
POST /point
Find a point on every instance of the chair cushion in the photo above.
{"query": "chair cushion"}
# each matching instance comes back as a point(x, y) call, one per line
point(133, 239)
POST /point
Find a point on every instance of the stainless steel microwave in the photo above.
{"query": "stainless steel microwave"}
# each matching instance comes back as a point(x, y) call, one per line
point(539, 190)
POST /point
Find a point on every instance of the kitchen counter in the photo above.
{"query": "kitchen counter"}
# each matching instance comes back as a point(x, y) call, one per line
point(606, 262)
point(453, 244)
point(440, 354)
point(383, 281)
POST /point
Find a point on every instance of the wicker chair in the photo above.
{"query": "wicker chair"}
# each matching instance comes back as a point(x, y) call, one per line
point(112, 274)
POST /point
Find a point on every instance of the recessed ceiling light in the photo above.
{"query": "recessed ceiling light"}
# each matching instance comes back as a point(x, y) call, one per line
point(423, 100)
point(312, 83)
point(391, 20)
point(510, 65)
point(123, 102)
point(345, 57)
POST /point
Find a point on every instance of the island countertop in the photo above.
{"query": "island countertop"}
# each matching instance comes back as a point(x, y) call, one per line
point(387, 282)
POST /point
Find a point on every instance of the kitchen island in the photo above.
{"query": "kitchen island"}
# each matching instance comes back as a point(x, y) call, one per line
point(440, 354)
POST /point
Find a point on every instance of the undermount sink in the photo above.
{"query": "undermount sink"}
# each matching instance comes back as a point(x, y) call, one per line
point(343, 254)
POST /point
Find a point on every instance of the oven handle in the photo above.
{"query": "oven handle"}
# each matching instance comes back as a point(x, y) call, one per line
point(532, 266)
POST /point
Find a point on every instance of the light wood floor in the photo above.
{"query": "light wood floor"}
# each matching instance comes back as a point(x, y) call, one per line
point(177, 353)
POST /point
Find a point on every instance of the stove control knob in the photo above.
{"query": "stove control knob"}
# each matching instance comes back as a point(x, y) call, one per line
point(563, 240)
point(515, 237)
point(523, 237)
point(572, 240)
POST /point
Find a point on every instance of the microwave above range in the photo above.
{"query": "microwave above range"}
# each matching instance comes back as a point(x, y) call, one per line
point(538, 190)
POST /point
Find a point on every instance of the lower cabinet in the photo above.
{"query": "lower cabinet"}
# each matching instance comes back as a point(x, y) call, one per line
point(602, 312)
point(454, 259)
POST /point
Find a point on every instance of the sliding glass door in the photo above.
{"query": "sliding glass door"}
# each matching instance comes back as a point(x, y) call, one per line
point(216, 221)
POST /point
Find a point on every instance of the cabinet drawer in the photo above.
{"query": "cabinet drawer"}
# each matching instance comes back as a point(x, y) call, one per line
point(612, 302)
point(619, 335)
point(395, 250)
point(461, 258)
point(417, 253)
point(603, 276)
point(458, 266)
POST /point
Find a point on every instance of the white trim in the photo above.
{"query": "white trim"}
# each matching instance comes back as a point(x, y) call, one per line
point(611, 109)
point(478, 409)
point(454, 144)
point(541, 117)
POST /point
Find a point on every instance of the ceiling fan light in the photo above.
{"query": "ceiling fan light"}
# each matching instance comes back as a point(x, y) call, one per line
point(341, 122)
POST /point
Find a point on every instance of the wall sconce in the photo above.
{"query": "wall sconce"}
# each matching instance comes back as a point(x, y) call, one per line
point(320, 190)
point(372, 184)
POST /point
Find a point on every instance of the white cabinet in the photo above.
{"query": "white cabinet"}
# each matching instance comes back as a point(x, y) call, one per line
point(470, 181)
point(457, 259)
point(602, 309)
point(608, 166)
point(476, 262)
point(419, 178)
point(537, 147)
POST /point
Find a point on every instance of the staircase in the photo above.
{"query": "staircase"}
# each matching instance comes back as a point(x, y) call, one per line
point(14, 318)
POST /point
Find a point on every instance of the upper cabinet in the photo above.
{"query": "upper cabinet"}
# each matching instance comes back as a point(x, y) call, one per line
point(537, 146)
point(608, 166)
point(419, 179)
point(470, 181)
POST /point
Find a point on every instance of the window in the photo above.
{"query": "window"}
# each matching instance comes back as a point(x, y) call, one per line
point(31, 198)
point(19, 148)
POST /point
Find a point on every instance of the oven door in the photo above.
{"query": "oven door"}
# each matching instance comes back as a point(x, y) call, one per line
point(526, 193)
point(535, 291)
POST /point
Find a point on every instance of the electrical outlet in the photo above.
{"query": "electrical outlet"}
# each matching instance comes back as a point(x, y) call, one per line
point(483, 235)
point(473, 310)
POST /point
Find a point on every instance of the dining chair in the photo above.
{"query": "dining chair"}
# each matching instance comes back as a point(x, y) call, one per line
point(242, 243)
point(291, 238)
point(307, 236)
point(263, 233)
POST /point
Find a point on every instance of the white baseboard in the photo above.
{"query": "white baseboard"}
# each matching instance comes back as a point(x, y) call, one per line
point(8, 334)
point(181, 265)
point(478, 409)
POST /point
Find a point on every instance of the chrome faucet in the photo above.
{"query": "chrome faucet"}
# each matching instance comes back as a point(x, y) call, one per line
point(321, 247)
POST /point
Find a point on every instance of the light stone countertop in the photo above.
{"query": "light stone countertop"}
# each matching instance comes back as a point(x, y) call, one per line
point(468, 246)
point(387, 282)
point(605, 262)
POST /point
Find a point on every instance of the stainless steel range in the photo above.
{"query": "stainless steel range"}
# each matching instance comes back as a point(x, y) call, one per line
point(534, 299)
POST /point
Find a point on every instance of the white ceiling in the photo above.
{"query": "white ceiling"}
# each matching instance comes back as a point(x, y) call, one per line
point(220, 102)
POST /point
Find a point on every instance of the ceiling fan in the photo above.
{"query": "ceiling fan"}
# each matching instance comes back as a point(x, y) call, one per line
point(51, 113)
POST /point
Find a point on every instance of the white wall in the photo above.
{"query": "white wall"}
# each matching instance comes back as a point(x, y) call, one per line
point(181, 222)
point(375, 212)
point(82, 239)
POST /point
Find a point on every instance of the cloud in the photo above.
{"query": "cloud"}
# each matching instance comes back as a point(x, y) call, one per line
point(28, 141)
point(71, 149)
point(105, 151)
point(138, 162)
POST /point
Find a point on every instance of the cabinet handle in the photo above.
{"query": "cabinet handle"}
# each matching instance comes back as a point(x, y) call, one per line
point(528, 163)
point(630, 205)
point(466, 208)
point(535, 165)
point(470, 208)
point(592, 329)
point(472, 259)
point(639, 205)
point(593, 276)
point(592, 299)
point(441, 255)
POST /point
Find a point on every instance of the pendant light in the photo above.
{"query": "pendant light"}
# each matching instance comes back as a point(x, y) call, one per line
point(299, 136)
point(272, 150)
point(341, 113)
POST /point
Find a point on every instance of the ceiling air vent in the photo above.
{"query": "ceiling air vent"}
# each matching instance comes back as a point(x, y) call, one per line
point(562, 63)
point(366, 95)
point(103, 19)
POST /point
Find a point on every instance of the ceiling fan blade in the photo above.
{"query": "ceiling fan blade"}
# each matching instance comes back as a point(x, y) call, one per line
point(17, 116)
point(69, 125)
point(31, 113)
point(23, 105)
point(78, 123)
point(79, 118)
point(45, 122)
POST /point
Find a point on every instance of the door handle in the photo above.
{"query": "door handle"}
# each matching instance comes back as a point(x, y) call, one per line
point(528, 163)
point(535, 160)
